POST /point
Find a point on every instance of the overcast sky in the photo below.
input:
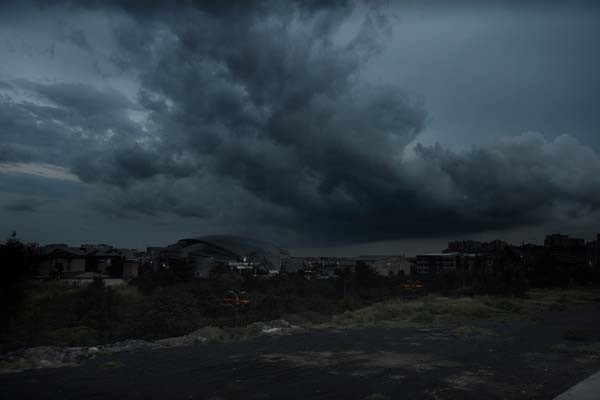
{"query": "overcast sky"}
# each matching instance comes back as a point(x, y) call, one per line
point(339, 127)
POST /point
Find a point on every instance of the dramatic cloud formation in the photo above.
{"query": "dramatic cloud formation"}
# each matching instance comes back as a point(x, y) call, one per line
point(265, 113)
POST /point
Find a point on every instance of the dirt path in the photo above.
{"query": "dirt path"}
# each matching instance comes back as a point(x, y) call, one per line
point(521, 359)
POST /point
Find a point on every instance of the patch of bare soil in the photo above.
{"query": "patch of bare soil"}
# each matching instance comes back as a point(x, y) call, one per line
point(469, 380)
point(380, 359)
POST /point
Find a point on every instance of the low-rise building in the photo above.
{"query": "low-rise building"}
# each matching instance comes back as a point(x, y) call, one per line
point(85, 278)
point(429, 264)
point(58, 259)
point(393, 265)
point(566, 250)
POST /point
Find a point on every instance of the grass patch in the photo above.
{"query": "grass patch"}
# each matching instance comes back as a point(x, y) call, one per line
point(576, 335)
point(560, 299)
point(592, 349)
point(112, 365)
point(377, 396)
point(470, 330)
point(557, 307)
point(438, 309)
point(424, 317)
point(82, 335)
point(426, 310)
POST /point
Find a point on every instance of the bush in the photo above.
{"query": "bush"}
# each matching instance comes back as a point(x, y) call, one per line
point(423, 317)
point(75, 336)
point(97, 307)
point(15, 266)
point(168, 312)
point(556, 306)
point(576, 335)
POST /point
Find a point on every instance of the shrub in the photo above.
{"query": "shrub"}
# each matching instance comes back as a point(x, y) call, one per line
point(557, 307)
point(96, 306)
point(112, 365)
point(74, 336)
point(576, 335)
point(377, 396)
point(168, 312)
point(423, 317)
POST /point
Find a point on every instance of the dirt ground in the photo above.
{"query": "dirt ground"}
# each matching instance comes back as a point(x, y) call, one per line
point(528, 358)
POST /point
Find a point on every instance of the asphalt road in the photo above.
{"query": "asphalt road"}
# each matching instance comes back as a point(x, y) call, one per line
point(510, 360)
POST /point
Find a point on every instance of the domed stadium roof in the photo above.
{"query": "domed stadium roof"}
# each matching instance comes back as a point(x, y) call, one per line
point(243, 247)
point(225, 247)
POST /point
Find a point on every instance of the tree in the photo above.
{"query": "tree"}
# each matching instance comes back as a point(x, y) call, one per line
point(16, 267)
point(508, 274)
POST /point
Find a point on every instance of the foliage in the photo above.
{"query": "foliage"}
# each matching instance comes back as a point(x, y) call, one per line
point(165, 303)
point(16, 267)
point(577, 335)
point(81, 335)
point(168, 312)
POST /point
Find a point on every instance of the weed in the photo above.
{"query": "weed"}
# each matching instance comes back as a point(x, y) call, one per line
point(576, 335)
point(112, 365)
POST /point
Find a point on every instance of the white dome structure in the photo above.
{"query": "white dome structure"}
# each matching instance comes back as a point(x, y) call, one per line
point(204, 253)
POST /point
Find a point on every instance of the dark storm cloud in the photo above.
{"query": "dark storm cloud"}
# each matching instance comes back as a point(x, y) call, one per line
point(282, 113)
point(25, 204)
point(79, 39)
point(260, 111)
point(525, 179)
point(86, 129)
point(82, 99)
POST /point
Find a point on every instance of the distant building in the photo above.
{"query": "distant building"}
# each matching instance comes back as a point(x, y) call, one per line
point(429, 264)
point(475, 247)
point(330, 267)
point(593, 252)
point(198, 256)
point(464, 246)
point(558, 241)
point(531, 253)
point(116, 262)
point(85, 278)
point(90, 248)
point(131, 263)
point(60, 259)
point(292, 265)
point(566, 250)
point(393, 265)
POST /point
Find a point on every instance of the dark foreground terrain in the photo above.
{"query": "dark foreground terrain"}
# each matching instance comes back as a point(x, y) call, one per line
point(516, 359)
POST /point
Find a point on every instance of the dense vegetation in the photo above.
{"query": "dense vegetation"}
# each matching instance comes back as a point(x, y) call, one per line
point(162, 304)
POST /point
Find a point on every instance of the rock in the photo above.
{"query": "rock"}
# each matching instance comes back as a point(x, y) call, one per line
point(176, 341)
point(256, 328)
point(210, 334)
point(54, 357)
point(39, 357)
point(202, 335)
point(271, 330)
point(279, 323)
point(129, 345)
point(278, 326)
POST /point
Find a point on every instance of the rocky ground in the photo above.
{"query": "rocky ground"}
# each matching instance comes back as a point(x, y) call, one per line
point(526, 358)
point(58, 357)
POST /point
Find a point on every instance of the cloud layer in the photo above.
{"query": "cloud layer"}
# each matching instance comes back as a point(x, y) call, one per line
point(260, 113)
